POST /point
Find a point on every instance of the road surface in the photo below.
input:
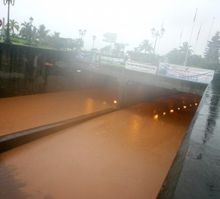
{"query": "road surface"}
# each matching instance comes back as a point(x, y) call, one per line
point(124, 155)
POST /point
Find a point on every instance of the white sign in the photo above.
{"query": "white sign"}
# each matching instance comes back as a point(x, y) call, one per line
point(186, 73)
point(111, 60)
point(130, 65)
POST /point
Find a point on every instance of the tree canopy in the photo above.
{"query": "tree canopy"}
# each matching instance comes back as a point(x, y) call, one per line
point(177, 56)
point(28, 34)
point(212, 52)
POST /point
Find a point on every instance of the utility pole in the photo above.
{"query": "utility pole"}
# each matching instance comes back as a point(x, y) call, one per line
point(157, 34)
point(190, 38)
point(82, 33)
point(8, 3)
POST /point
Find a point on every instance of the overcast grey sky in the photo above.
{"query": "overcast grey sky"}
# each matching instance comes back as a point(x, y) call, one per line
point(132, 20)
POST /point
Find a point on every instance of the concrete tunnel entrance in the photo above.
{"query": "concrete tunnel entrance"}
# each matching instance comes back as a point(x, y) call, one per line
point(124, 154)
point(127, 92)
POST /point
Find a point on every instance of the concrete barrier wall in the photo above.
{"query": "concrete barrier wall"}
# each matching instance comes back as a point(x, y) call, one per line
point(195, 170)
point(23, 69)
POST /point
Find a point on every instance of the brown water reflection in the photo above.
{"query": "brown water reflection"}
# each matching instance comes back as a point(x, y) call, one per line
point(125, 154)
point(24, 112)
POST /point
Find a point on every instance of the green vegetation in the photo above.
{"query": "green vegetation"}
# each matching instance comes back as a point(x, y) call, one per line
point(209, 61)
point(145, 47)
point(27, 33)
point(177, 56)
point(144, 53)
point(212, 52)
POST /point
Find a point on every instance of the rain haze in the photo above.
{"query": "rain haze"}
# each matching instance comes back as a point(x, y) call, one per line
point(109, 99)
point(131, 20)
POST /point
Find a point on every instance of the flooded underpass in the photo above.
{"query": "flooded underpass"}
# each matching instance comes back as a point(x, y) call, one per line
point(124, 154)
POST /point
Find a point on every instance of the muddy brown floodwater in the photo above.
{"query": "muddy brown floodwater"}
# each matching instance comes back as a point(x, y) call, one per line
point(122, 155)
point(24, 112)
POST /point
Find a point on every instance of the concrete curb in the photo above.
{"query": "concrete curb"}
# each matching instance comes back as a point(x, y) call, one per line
point(18, 138)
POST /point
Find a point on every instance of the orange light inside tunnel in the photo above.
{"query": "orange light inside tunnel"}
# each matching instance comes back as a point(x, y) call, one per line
point(184, 107)
point(115, 102)
point(196, 104)
point(178, 108)
point(171, 110)
point(190, 105)
point(164, 113)
point(156, 116)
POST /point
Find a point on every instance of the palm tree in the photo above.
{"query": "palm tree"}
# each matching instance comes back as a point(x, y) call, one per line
point(82, 33)
point(119, 49)
point(157, 34)
point(186, 47)
point(42, 33)
point(25, 26)
point(28, 31)
point(13, 25)
point(178, 56)
point(146, 47)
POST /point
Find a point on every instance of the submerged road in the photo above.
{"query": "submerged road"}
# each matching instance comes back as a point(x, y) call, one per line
point(125, 155)
point(24, 112)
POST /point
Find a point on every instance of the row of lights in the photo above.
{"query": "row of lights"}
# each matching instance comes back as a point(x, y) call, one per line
point(156, 116)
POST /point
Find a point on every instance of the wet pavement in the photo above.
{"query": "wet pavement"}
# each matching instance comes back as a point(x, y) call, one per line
point(196, 171)
point(24, 112)
point(125, 154)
